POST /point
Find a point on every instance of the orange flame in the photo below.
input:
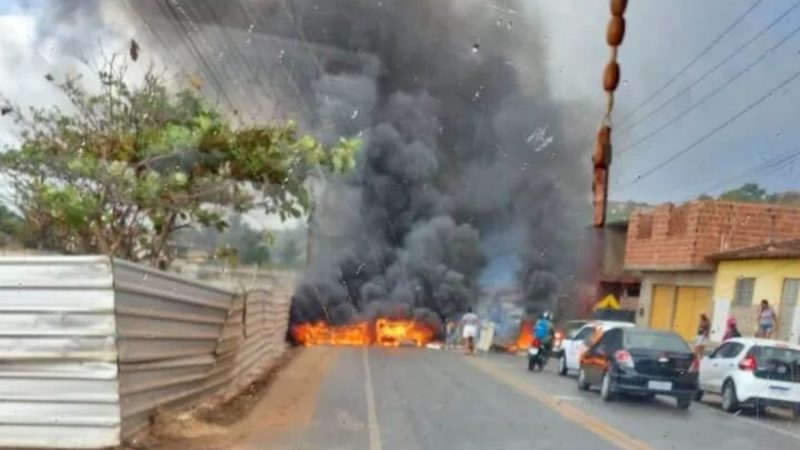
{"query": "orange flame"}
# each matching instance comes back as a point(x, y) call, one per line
point(320, 333)
point(525, 335)
point(392, 333)
point(389, 333)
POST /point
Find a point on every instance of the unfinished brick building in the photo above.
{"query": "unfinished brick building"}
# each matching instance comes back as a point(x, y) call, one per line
point(670, 246)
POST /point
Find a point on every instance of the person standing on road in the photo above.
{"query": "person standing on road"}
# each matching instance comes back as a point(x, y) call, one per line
point(767, 320)
point(469, 326)
point(703, 331)
point(731, 331)
point(450, 334)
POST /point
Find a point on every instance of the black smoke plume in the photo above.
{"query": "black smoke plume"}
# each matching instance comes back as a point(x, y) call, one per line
point(467, 160)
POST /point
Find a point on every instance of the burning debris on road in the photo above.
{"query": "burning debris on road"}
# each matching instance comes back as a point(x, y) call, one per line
point(383, 332)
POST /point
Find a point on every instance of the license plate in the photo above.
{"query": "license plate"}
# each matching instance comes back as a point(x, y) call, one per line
point(779, 390)
point(533, 351)
point(659, 385)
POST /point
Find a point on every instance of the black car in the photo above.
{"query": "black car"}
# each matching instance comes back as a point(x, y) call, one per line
point(642, 362)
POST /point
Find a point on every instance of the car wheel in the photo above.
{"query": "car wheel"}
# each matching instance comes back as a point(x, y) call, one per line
point(562, 365)
point(583, 385)
point(698, 395)
point(684, 402)
point(729, 401)
point(605, 388)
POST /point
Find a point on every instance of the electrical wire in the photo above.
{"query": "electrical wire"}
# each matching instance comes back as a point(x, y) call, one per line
point(694, 60)
point(771, 166)
point(702, 77)
point(706, 97)
point(714, 130)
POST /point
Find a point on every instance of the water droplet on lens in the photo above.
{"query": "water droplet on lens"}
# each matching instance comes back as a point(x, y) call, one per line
point(476, 47)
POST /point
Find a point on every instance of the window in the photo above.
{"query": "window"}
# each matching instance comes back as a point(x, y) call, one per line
point(585, 335)
point(743, 296)
point(656, 340)
point(791, 288)
point(731, 350)
point(676, 224)
point(645, 228)
point(613, 340)
point(721, 350)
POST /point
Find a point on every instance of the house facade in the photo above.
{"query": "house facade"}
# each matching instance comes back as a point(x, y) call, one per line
point(670, 247)
point(765, 272)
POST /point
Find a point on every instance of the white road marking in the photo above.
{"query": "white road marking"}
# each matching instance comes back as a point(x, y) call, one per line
point(372, 416)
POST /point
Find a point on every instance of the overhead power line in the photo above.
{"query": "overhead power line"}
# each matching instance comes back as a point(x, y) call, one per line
point(714, 92)
point(771, 166)
point(714, 130)
point(710, 71)
point(694, 60)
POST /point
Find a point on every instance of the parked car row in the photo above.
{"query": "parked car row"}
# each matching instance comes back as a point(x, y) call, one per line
point(622, 359)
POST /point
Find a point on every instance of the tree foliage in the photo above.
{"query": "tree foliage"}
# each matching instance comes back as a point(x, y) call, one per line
point(247, 245)
point(752, 192)
point(128, 165)
point(11, 225)
point(748, 192)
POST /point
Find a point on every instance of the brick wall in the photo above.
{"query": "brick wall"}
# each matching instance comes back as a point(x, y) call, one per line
point(681, 237)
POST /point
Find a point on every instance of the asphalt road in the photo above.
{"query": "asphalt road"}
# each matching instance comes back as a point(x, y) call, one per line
point(392, 399)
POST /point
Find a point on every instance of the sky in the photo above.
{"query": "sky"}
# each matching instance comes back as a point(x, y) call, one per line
point(714, 137)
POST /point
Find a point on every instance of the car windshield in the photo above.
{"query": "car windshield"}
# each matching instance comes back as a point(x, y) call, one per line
point(655, 340)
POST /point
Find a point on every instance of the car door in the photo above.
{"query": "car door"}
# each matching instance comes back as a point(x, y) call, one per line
point(727, 363)
point(575, 346)
point(715, 366)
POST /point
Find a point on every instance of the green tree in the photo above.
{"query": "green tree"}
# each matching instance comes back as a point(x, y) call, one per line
point(129, 165)
point(245, 244)
point(290, 249)
point(748, 192)
point(11, 225)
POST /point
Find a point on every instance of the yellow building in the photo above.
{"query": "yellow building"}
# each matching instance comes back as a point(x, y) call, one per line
point(746, 276)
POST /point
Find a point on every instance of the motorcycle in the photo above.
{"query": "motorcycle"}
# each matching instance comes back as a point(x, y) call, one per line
point(538, 354)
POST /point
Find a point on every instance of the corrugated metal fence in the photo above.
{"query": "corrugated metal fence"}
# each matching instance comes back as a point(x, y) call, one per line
point(90, 348)
point(58, 370)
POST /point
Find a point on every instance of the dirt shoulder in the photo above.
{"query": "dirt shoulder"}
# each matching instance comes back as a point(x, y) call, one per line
point(283, 400)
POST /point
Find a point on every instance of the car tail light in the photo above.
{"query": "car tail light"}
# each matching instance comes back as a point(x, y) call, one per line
point(624, 358)
point(749, 363)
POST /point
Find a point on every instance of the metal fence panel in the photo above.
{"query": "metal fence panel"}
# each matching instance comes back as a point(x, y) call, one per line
point(58, 372)
point(91, 347)
point(168, 329)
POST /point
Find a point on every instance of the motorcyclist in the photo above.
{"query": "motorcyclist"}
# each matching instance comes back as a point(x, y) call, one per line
point(543, 331)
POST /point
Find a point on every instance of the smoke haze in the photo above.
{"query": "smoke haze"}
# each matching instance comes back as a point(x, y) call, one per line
point(469, 169)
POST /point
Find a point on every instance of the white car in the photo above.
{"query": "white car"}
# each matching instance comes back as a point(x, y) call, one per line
point(753, 372)
point(573, 346)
